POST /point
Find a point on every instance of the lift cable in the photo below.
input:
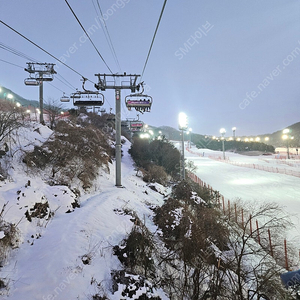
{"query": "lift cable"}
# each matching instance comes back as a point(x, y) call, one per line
point(43, 50)
point(56, 86)
point(72, 87)
point(11, 63)
point(87, 35)
point(165, 1)
point(46, 81)
point(106, 33)
point(16, 52)
point(23, 55)
point(65, 82)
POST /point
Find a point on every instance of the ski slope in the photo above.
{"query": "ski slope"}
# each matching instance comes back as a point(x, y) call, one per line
point(248, 184)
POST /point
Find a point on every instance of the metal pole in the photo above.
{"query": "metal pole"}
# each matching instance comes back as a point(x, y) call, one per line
point(182, 163)
point(118, 137)
point(287, 148)
point(41, 99)
point(223, 148)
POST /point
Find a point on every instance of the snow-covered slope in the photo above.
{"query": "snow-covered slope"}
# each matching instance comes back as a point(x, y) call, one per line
point(69, 256)
point(249, 184)
point(68, 253)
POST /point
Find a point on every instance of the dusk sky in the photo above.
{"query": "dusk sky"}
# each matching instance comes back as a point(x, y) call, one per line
point(223, 63)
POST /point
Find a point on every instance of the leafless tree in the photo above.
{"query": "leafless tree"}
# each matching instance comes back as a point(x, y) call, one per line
point(11, 118)
point(252, 263)
point(53, 109)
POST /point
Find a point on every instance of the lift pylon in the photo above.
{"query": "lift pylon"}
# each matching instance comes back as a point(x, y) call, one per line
point(118, 82)
point(38, 73)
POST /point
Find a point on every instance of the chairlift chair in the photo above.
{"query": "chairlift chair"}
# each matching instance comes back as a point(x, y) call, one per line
point(139, 102)
point(47, 77)
point(31, 81)
point(136, 124)
point(87, 99)
point(64, 99)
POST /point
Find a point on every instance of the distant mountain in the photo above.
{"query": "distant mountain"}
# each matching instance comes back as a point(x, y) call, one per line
point(276, 139)
point(5, 94)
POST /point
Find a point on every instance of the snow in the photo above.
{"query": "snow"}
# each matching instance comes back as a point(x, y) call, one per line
point(251, 185)
point(49, 261)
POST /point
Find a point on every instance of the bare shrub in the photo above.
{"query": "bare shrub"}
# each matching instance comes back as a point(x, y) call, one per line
point(72, 152)
point(154, 173)
point(135, 251)
point(10, 240)
point(157, 152)
point(193, 235)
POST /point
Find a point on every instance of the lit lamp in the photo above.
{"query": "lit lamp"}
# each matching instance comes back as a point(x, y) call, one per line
point(183, 124)
point(286, 137)
point(223, 131)
point(233, 132)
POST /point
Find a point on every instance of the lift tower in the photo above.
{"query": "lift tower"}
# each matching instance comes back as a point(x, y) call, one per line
point(38, 73)
point(118, 82)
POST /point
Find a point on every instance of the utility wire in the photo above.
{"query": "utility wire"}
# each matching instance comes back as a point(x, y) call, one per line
point(106, 33)
point(56, 86)
point(153, 38)
point(65, 81)
point(23, 55)
point(27, 39)
point(47, 82)
point(16, 52)
point(11, 63)
point(87, 35)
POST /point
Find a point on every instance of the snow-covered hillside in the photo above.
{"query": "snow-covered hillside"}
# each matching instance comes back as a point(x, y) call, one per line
point(51, 260)
point(64, 247)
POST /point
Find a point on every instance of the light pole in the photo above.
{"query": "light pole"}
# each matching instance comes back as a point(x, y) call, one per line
point(233, 132)
point(183, 124)
point(286, 137)
point(223, 131)
point(189, 132)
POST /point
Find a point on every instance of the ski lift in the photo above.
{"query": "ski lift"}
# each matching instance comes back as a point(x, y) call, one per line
point(46, 77)
point(87, 99)
point(75, 96)
point(64, 98)
point(136, 124)
point(139, 102)
point(31, 81)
